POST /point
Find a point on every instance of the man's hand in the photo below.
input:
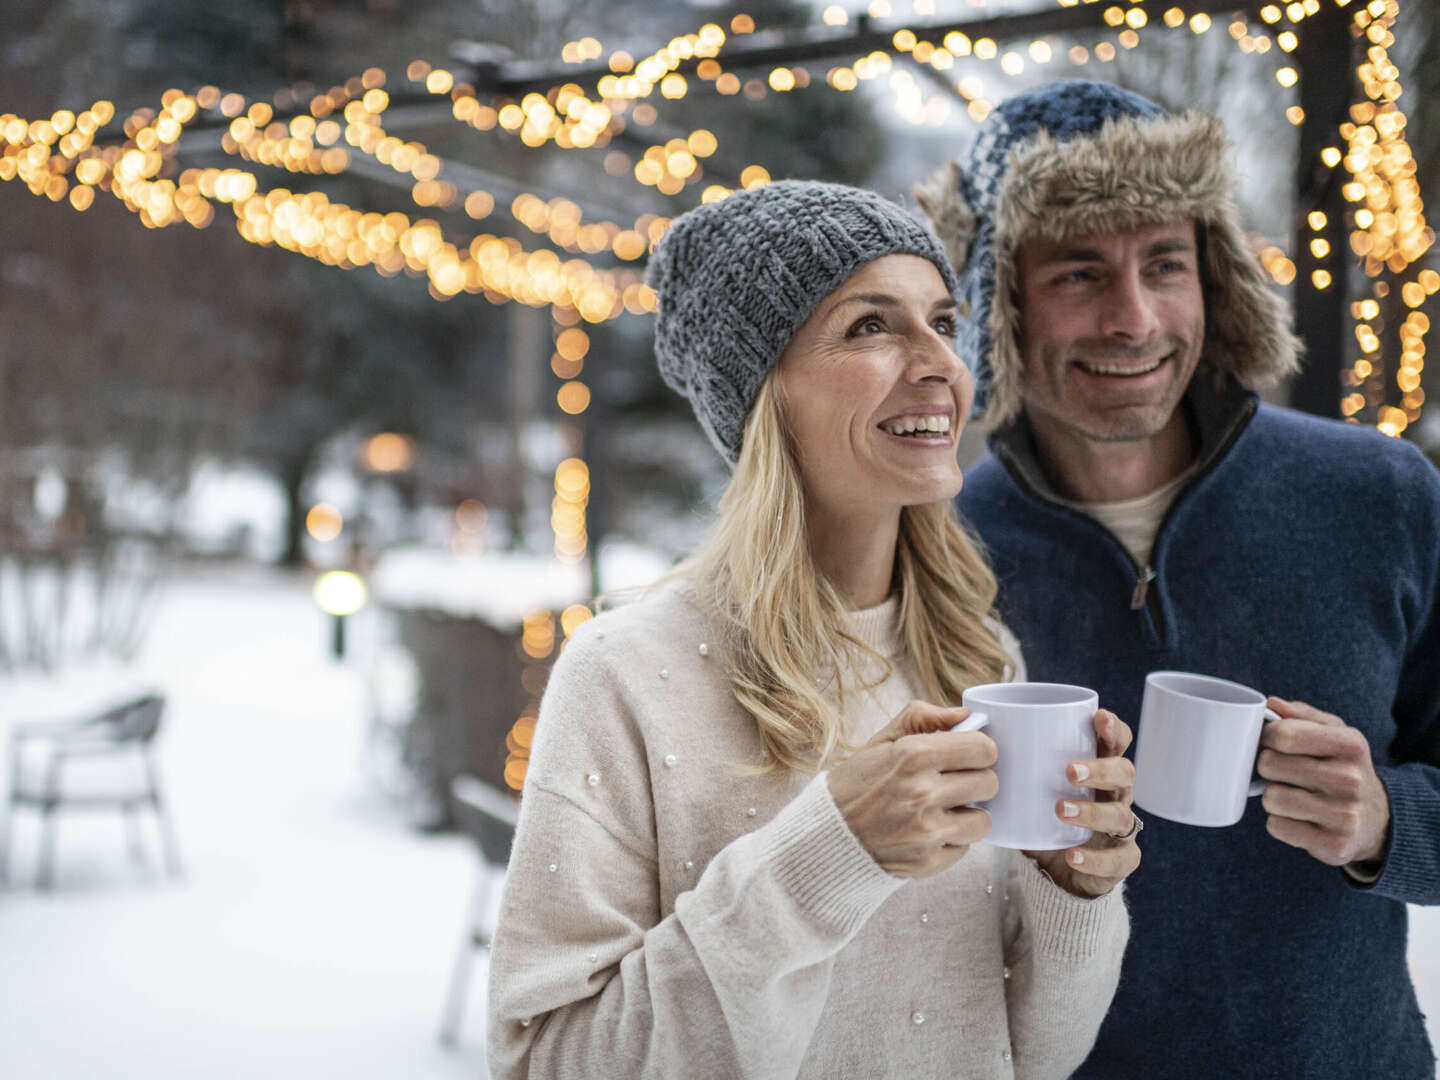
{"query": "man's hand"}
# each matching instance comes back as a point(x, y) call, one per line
point(903, 793)
point(1098, 865)
point(1324, 796)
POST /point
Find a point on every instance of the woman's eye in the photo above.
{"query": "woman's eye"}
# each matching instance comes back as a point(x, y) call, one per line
point(945, 327)
point(870, 324)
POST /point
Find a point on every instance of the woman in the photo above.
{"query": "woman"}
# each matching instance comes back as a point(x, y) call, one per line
point(744, 848)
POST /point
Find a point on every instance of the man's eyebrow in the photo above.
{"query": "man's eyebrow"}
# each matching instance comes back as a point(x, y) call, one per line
point(1168, 247)
point(885, 300)
point(1091, 255)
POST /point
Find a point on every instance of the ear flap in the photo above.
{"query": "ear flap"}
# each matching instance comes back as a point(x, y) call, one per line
point(950, 215)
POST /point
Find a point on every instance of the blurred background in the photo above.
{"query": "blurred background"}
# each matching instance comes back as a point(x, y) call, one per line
point(327, 407)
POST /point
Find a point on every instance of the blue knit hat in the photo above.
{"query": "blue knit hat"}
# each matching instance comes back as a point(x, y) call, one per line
point(738, 277)
point(1073, 158)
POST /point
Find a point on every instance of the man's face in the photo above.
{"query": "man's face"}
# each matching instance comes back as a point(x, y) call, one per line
point(1112, 329)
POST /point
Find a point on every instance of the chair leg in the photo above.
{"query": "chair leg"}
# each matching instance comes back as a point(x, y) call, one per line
point(5, 842)
point(45, 868)
point(474, 938)
point(132, 834)
point(162, 818)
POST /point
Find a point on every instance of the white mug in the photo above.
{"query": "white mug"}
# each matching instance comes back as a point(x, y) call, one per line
point(1039, 729)
point(1196, 750)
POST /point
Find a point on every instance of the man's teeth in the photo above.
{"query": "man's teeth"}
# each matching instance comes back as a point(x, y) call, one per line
point(925, 425)
point(1112, 369)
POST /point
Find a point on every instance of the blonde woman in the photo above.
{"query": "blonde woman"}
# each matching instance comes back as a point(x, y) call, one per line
point(744, 848)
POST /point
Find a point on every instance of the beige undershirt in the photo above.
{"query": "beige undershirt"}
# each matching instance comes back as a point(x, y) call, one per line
point(1135, 521)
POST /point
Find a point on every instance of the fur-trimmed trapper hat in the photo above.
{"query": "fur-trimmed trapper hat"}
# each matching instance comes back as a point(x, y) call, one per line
point(1076, 157)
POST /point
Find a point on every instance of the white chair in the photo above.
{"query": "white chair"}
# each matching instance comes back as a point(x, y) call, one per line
point(101, 761)
point(488, 817)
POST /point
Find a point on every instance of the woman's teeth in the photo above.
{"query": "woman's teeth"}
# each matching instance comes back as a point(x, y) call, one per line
point(938, 424)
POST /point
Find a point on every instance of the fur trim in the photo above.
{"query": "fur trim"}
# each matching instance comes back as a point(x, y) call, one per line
point(950, 215)
point(1129, 174)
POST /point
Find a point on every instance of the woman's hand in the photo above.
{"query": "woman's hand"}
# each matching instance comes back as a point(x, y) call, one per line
point(1094, 868)
point(903, 793)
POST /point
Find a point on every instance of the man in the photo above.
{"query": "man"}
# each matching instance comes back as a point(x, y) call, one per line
point(1145, 511)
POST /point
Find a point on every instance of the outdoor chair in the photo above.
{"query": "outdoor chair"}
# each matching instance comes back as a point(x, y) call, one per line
point(488, 817)
point(102, 761)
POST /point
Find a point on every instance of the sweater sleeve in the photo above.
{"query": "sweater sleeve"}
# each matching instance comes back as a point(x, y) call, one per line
point(586, 976)
point(1410, 770)
point(1064, 965)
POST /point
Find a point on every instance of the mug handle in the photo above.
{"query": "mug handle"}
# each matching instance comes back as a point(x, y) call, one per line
point(974, 722)
point(1257, 787)
point(977, 720)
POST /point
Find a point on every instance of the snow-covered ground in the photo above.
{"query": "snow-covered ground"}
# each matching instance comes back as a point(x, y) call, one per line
point(312, 934)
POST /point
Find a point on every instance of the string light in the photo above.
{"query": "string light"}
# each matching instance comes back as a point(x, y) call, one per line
point(1390, 232)
point(567, 510)
point(55, 158)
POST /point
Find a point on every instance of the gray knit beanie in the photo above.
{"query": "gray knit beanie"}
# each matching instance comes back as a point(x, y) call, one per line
point(738, 277)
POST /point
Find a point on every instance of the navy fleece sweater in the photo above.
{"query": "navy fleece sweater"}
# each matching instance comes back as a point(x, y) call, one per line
point(1303, 560)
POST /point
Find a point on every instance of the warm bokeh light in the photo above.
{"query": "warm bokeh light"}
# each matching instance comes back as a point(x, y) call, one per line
point(324, 522)
point(388, 452)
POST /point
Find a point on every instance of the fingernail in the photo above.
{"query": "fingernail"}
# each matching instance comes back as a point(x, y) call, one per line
point(1081, 771)
point(1069, 809)
point(1077, 858)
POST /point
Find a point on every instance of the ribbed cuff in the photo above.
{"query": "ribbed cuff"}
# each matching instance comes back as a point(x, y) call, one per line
point(1065, 927)
point(1411, 870)
point(821, 863)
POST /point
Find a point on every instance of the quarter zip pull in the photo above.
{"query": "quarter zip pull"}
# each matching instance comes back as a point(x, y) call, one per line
point(1142, 589)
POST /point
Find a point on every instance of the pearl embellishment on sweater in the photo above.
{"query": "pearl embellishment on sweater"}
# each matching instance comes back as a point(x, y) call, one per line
point(989, 889)
point(917, 1018)
point(664, 673)
point(670, 760)
point(1005, 972)
point(689, 864)
point(1006, 1054)
point(593, 779)
point(924, 916)
point(594, 957)
point(704, 649)
point(750, 812)
point(552, 868)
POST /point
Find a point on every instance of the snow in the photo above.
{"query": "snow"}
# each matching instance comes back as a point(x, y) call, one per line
point(312, 933)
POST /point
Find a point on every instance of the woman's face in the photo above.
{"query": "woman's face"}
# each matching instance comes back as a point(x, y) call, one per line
point(874, 393)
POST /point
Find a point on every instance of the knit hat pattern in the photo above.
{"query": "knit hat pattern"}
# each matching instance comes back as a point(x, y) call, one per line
point(736, 278)
point(1076, 157)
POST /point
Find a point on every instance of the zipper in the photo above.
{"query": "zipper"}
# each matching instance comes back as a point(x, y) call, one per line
point(1142, 588)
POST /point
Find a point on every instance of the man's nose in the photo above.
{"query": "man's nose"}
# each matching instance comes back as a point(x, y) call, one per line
point(1127, 308)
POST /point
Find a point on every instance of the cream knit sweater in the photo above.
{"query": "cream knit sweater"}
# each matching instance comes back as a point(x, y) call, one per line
point(665, 915)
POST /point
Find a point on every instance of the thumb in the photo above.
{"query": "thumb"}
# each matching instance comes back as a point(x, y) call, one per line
point(920, 718)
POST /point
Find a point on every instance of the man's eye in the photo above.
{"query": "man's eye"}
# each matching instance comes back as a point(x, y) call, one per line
point(1170, 266)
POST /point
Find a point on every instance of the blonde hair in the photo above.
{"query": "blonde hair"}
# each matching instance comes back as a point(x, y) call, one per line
point(784, 623)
